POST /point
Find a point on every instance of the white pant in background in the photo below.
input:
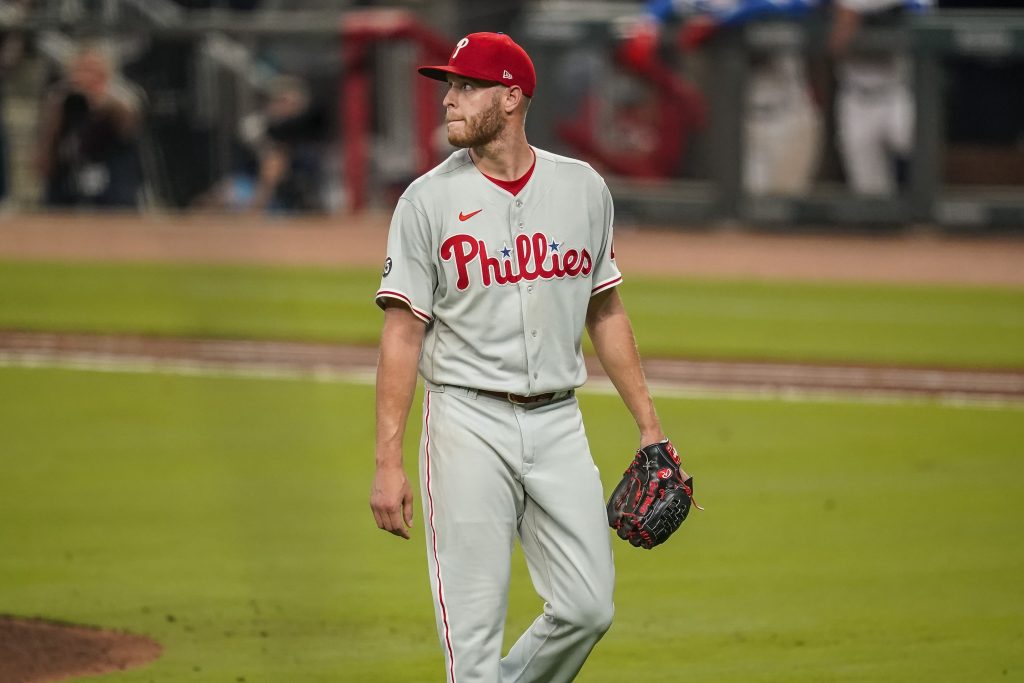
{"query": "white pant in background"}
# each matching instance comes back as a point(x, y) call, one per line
point(782, 127)
point(875, 128)
point(782, 149)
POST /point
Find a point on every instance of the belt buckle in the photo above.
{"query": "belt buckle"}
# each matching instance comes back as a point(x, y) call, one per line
point(512, 398)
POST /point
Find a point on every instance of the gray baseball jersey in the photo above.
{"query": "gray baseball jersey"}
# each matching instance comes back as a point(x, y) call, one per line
point(480, 267)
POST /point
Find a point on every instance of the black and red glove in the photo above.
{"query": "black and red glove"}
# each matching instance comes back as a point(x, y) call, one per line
point(653, 499)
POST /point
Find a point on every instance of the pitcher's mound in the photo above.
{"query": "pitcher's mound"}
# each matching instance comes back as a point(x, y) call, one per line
point(36, 650)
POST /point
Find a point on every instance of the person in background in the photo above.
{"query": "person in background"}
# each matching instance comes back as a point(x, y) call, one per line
point(88, 150)
point(281, 156)
point(11, 48)
point(782, 124)
point(875, 103)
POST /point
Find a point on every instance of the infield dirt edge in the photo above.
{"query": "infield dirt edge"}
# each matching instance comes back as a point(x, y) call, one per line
point(39, 650)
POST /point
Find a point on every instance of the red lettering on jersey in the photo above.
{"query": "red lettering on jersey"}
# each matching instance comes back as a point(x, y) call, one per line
point(490, 265)
point(468, 248)
point(524, 253)
point(586, 263)
point(540, 253)
point(572, 263)
point(535, 259)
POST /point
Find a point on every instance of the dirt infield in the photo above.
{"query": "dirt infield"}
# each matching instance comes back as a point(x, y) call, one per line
point(361, 241)
point(303, 359)
point(36, 650)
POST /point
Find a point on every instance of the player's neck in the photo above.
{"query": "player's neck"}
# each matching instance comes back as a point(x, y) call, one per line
point(506, 158)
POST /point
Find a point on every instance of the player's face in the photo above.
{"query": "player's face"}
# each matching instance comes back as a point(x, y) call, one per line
point(473, 112)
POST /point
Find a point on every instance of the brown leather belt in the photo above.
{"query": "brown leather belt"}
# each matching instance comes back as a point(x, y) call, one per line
point(525, 400)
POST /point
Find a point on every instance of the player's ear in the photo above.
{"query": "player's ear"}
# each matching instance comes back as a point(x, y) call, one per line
point(513, 98)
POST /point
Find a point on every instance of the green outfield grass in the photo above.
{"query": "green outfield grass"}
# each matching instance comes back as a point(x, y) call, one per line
point(950, 326)
point(228, 518)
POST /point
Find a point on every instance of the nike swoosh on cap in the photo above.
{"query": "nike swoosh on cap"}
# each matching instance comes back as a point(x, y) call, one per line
point(467, 216)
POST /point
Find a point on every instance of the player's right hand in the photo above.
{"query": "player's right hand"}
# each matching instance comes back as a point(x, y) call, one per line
point(391, 501)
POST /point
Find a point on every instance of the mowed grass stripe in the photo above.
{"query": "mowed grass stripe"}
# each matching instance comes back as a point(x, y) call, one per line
point(830, 322)
point(228, 518)
point(241, 302)
point(821, 322)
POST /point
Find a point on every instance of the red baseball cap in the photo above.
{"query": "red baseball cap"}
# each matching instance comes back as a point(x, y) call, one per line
point(490, 57)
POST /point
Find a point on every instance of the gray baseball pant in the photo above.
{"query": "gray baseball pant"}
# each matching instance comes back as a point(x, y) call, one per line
point(491, 471)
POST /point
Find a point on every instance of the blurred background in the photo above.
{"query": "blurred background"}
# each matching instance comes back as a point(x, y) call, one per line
point(780, 113)
point(194, 200)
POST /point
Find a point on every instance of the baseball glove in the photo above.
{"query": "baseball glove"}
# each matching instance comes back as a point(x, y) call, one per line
point(652, 500)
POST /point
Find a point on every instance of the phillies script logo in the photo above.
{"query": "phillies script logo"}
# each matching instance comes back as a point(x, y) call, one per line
point(536, 258)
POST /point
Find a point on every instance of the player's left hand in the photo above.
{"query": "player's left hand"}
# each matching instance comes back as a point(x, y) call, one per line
point(391, 501)
point(653, 498)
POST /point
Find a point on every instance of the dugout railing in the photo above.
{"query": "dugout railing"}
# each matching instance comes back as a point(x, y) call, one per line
point(383, 143)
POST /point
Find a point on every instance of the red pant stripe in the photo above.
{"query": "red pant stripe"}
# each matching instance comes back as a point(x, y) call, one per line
point(437, 562)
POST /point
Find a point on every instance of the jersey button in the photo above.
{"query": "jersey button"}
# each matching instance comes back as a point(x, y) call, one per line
point(521, 225)
point(519, 202)
point(529, 288)
point(533, 333)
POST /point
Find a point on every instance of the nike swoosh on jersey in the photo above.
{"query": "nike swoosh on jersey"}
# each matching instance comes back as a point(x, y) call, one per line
point(467, 216)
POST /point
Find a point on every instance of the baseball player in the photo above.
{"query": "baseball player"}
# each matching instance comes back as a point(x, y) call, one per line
point(874, 105)
point(782, 124)
point(497, 260)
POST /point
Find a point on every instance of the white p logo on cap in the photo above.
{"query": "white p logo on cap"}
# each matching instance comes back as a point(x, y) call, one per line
point(459, 45)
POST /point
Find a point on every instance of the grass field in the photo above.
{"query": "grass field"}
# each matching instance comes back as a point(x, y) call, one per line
point(228, 518)
point(980, 327)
